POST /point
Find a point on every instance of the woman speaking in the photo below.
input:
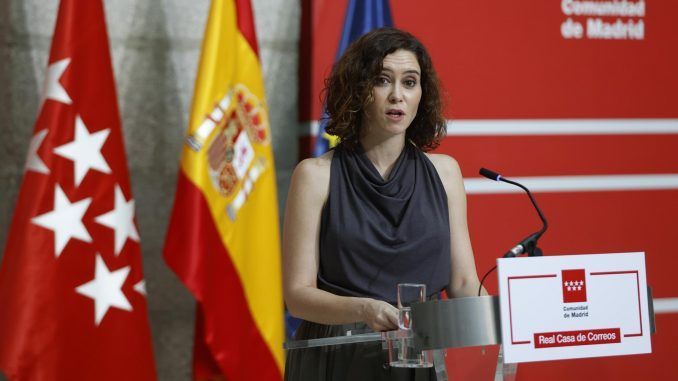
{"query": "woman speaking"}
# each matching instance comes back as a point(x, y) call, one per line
point(375, 211)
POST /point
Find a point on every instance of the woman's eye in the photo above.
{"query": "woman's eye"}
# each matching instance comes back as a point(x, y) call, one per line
point(382, 81)
point(410, 82)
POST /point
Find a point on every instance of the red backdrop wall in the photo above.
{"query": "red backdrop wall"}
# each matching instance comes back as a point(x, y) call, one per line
point(511, 60)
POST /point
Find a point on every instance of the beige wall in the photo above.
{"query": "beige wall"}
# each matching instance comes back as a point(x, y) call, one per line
point(155, 48)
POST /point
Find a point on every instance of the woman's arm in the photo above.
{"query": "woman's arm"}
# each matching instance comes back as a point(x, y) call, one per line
point(463, 277)
point(307, 195)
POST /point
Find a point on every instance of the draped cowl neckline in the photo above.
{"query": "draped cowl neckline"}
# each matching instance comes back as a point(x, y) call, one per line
point(391, 195)
point(370, 171)
point(378, 232)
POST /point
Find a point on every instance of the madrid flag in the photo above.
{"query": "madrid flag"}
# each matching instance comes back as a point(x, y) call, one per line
point(72, 295)
point(223, 239)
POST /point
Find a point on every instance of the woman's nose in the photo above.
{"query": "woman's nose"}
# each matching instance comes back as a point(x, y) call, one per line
point(396, 94)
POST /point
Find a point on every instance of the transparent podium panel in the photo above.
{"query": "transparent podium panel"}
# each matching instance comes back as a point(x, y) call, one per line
point(470, 330)
point(402, 353)
point(461, 338)
point(460, 335)
point(478, 364)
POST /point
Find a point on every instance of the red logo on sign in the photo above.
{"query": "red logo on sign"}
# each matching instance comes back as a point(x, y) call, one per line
point(574, 286)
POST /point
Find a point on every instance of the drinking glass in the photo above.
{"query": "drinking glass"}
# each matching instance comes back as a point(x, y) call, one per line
point(409, 293)
point(401, 350)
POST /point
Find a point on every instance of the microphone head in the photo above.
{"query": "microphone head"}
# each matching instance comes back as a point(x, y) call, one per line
point(492, 175)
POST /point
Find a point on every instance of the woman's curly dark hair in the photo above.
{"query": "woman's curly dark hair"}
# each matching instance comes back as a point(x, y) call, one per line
point(348, 90)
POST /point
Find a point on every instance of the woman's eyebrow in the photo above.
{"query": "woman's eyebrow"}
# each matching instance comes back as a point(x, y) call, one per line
point(410, 71)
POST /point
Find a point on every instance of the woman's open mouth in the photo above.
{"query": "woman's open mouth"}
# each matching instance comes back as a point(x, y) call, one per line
point(395, 115)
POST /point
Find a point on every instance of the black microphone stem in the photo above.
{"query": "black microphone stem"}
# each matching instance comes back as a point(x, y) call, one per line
point(541, 215)
point(528, 244)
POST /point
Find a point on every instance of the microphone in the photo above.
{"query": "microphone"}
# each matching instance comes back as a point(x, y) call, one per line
point(492, 175)
point(528, 244)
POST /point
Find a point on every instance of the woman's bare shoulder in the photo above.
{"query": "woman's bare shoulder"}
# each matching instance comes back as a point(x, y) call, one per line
point(315, 166)
point(447, 167)
point(311, 176)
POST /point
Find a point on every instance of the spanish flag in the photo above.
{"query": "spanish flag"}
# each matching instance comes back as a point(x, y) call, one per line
point(223, 237)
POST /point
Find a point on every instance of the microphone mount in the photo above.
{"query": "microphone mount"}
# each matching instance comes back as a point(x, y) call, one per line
point(528, 244)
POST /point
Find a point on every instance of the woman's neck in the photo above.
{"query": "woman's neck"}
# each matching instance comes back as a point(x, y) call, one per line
point(383, 153)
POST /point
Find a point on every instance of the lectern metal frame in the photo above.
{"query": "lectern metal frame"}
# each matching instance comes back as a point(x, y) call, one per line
point(451, 323)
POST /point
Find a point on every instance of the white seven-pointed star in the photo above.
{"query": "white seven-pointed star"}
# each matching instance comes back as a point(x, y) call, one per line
point(34, 162)
point(52, 88)
point(65, 220)
point(121, 220)
point(85, 150)
point(106, 289)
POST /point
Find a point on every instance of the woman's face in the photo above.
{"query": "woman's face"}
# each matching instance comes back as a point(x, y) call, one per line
point(397, 93)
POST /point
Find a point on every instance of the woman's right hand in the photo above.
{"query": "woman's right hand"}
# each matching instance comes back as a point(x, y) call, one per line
point(379, 315)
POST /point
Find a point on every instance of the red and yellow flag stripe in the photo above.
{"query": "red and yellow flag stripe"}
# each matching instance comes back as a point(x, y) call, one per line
point(223, 239)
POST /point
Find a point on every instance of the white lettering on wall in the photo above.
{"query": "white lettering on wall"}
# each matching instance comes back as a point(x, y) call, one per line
point(603, 20)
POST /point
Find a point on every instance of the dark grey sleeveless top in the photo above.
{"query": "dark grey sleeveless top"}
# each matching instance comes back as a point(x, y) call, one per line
point(375, 234)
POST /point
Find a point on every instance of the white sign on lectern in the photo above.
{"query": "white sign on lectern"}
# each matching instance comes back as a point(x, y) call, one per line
point(573, 306)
